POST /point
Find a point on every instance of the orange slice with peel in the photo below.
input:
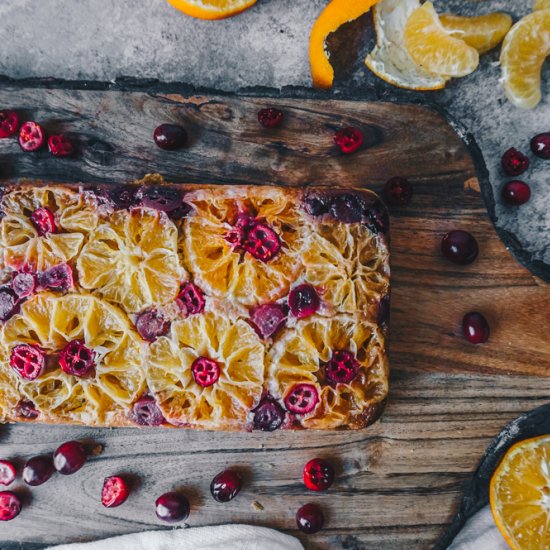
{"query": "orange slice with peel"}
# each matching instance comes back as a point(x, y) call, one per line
point(541, 5)
point(331, 19)
point(520, 495)
point(212, 9)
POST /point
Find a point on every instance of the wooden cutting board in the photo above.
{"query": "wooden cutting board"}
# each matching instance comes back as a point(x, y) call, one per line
point(399, 481)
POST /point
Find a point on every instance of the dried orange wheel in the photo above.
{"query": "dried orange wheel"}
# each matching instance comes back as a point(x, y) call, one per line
point(212, 9)
point(520, 495)
point(541, 5)
point(9, 386)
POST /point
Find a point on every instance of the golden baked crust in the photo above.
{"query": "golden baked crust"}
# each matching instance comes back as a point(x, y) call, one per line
point(201, 306)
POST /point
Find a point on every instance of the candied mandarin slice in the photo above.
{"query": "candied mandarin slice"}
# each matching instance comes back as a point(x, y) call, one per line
point(212, 9)
point(208, 373)
point(340, 359)
point(133, 260)
point(220, 253)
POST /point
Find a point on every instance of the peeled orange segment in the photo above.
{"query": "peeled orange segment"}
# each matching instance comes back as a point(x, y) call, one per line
point(133, 260)
point(211, 9)
point(523, 52)
point(541, 5)
point(331, 19)
point(483, 33)
point(237, 350)
point(520, 495)
point(431, 46)
point(118, 376)
point(229, 273)
point(390, 60)
point(300, 357)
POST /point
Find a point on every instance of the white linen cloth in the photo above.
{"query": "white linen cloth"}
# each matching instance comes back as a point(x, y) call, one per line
point(480, 533)
point(222, 537)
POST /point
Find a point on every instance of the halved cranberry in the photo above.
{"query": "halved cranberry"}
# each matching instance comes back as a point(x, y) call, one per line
point(10, 505)
point(475, 328)
point(23, 283)
point(303, 301)
point(146, 412)
point(398, 191)
point(69, 457)
point(225, 486)
point(514, 162)
point(347, 208)
point(515, 192)
point(115, 492)
point(318, 474)
point(28, 361)
point(540, 145)
point(159, 197)
point(348, 139)
point(9, 123)
point(316, 205)
point(58, 277)
point(268, 415)
point(270, 117)
point(191, 299)
point(77, 359)
point(377, 217)
point(38, 470)
point(25, 409)
point(43, 221)
point(8, 303)
point(123, 196)
point(302, 398)
point(262, 242)
point(172, 507)
point(31, 136)
point(170, 136)
point(205, 371)
point(342, 367)
point(60, 146)
point(459, 247)
point(268, 318)
point(7, 472)
point(152, 324)
point(310, 519)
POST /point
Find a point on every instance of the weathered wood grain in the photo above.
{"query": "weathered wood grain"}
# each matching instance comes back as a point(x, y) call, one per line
point(399, 482)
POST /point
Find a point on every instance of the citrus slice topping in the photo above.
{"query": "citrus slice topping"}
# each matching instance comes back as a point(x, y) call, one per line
point(432, 47)
point(331, 19)
point(211, 9)
point(133, 260)
point(524, 50)
point(520, 494)
point(541, 5)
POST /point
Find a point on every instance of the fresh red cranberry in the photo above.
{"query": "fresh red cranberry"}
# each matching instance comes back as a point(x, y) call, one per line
point(310, 519)
point(256, 238)
point(58, 277)
point(347, 208)
point(191, 299)
point(160, 197)
point(28, 361)
point(23, 283)
point(540, 145)
point(38, 470)
point(172, 507)
point(268, 415)
point(225, 486)
point(146, 412)
point(9, 123)
point(348, 139)
point(43, 221)
point(8, 303)
point(7, 472)
point(205, 371)
point(303, 301)
point(60, 146)
point(152, 324)
point(270, 117)
point(515, 192)
point(31, 136)
point(25, 409)
point(318, 474)
point(398, 191)
point(316, 205)
point(268, 319)
point(342, 367)
point(10, 505)
point(475, 328)
point(123, 196)
point(69, 457)
point(170, 136)
point(459, 247)
point(115, 492)
point(77, 359)
point(514, 162)
point(302, 398)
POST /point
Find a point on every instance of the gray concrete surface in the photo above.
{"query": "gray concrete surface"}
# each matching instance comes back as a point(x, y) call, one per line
point(267, 45)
